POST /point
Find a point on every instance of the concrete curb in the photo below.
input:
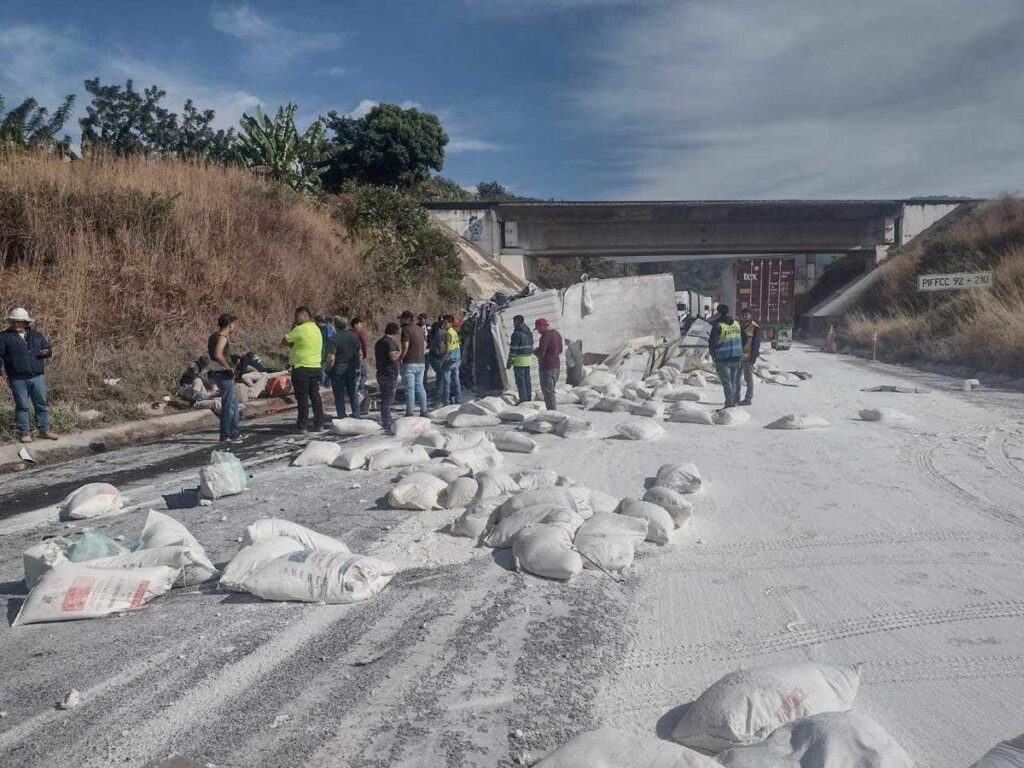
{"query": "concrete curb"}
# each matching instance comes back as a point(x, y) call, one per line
point(92, 441)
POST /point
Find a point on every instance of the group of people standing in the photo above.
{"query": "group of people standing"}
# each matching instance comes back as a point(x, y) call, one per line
point(735, 347)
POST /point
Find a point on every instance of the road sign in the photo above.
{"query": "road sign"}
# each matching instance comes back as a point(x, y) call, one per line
point(957, 281)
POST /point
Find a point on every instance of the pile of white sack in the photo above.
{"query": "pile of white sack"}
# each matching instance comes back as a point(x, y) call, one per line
point(772, 716)
point(88, 575)
point(282, 560)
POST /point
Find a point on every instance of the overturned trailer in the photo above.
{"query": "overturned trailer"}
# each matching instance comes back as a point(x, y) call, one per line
point(597, 318)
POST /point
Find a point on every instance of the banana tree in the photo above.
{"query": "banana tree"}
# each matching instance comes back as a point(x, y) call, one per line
point(275, 147)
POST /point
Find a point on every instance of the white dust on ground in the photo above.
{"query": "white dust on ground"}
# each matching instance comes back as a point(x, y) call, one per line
point(894, 544)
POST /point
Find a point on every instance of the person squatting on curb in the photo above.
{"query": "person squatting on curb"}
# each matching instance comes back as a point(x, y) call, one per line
point(23, 352)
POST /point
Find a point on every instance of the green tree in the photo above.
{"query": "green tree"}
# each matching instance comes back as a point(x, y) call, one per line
point(125, 121)
point(442, 189)
point(563, 271)
point(388, 146)
point(30, 126)
point(196, 139)
point(276, 148)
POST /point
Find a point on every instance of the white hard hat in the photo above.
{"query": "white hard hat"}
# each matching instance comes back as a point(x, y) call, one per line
point(19, 313)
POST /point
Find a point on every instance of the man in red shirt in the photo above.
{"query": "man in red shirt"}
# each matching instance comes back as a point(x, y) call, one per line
point(364, 365)
point(549, 353)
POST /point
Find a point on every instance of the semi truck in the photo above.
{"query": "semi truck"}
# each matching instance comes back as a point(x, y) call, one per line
point(691, 305)
point(766, 287)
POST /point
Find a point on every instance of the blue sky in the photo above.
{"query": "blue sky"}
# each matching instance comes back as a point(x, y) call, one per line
point(592, 99)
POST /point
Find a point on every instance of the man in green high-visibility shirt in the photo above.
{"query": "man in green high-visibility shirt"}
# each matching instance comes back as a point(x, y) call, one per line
point(306, 343)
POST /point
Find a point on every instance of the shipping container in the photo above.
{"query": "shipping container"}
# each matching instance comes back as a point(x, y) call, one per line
point(766, 287)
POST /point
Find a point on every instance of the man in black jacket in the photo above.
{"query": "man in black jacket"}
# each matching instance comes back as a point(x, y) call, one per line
point(520, 355)
point(751, 338)
point(22, 352)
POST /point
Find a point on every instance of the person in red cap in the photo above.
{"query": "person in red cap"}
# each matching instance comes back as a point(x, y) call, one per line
point(549, 353)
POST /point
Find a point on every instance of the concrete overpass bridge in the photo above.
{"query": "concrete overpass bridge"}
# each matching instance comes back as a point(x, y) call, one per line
point(516, 233)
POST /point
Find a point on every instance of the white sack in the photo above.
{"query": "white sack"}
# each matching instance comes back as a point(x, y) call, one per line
point(419, 490)
point(92, 500)
point(460, 492)
point(697, 380)
point(613, 405)
point(608, 748)
point(517, 413)
point(493, 404)
point(799, 421)
point(318, 576)
point(317, 453)
point(477, 518)
point(608, 540)
point(512, 442)
point(441, 414)
point(659, 522)
point(883, 414)
point(408, 427)
point(650, 408)
point(493, 483)
point(685, 413)
point(572, 429)
point(475, 409)
point(1005, 754)
point(575, 499)
point(162, 530)
point(745, 706)
point(673, 502)
point(684, 478)
point(250, 559)
point(461, 420)
point(639, 428)
point(503, 533)
point(76, 591)
point(828, 740)
point(598, 378)
point(350, 427)
point(273, 527)
point(482, 456)
point(546, 550)
point(451, 441)
point(683, 393)
point(588, 400)
point(730, 416)
point(443, 470)
point(397, 457)
point(602, 502)
point(566, 398)
point(40, 558)
point(532, 479)
point(539, 427)
point(355, 455)
point(192, 568)
point(223, 476)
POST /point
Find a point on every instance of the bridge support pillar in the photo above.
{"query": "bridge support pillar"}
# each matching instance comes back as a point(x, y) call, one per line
point(520, 265)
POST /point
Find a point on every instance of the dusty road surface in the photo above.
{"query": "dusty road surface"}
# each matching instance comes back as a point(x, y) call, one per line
point(898, 545)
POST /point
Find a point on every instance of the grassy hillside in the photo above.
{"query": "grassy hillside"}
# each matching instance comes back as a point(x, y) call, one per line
point(980, 328)
point(126, 264)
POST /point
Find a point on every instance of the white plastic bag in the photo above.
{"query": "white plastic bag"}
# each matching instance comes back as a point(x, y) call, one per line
point(441, 414)
point(460, 492)
point(451, 441)
point(493, 404)
point(162, 530)
point(682, 393)
point(609, 748)
point(539, 427)
point(318, 453)
point(251, 558)
point(608, 540)
point(477, 518)
point(319, 576)
point(350, 427)
point(408, 427)
point(684, 478)
point(494, 483)
point(745, 706)
point(673, 502)
point(518, 413)
point(223, 476)
point(76, 591)
point(799, 421)
point(417, 491)
point(639, 428)
point(828, 740)
point(546, 550)
point(687, 413)
point(659, 522)
point(512, 442)
point(397, 457)
point(603, 502)
point(274, 527)
point(91, 500)
point(613, 405)
point(355, 455)
point(461, 420)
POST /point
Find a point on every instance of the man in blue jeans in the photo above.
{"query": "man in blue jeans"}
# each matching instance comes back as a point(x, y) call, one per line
point(414, 367)
point(726, 345)
point(22, 352)
point(451, 359)
point(344, 354)
point(222, 373)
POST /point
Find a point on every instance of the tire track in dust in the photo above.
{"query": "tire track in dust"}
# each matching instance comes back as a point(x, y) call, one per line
point(1014, 559)
point(995, 447)
point(924, 461)
point(841, 630)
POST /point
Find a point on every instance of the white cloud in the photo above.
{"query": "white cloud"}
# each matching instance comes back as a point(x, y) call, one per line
point(268, 44)
point(362, 109)
point(32, 60)
point(457, 144)
point(338, 71)
point(741, 98)
point(546, 7)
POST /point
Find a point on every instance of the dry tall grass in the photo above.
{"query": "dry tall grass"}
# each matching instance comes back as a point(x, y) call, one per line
point(983, 328)
point(127, 263)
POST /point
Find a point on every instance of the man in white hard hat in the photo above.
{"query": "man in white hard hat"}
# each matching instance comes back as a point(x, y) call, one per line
point(22, 352)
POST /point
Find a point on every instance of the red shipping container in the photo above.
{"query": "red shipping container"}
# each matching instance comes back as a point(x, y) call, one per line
point(766, 287)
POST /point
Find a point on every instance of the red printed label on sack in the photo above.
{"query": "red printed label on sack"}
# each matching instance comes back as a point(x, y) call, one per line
point(140, 594)
point(77, 595)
